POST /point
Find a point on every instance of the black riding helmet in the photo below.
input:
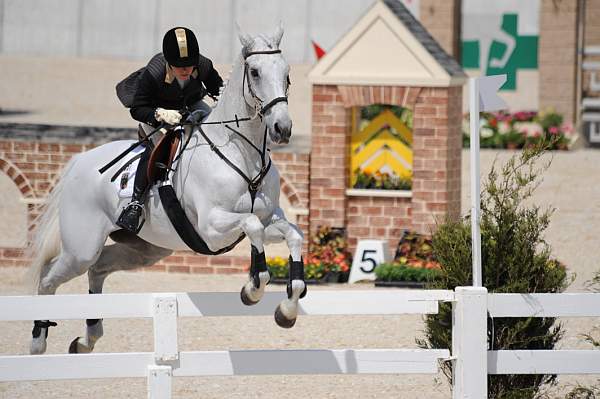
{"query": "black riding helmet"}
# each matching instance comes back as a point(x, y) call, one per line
point(180, 47)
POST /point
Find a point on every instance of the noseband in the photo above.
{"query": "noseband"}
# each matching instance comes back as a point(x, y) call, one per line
point(262, 109)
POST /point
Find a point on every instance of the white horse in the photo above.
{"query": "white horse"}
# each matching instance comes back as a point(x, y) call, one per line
point(82, 210)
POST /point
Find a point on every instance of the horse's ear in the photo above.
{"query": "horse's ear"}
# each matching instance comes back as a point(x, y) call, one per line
point(245, 38)
point(278, 34)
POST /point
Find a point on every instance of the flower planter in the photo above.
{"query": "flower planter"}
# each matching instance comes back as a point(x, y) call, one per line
point(285, 281)
point(369, 192)
point(400, 284)
point(328, 278)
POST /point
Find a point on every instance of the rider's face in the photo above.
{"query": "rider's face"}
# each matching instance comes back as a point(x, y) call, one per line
point(183, 73)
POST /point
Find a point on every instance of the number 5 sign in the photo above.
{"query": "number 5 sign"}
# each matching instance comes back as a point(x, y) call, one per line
point(369, 253)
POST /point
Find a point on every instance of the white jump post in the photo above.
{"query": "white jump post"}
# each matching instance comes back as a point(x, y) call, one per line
point(482, 97)
point(166, 352)
point(469, 343)
point(469, 309)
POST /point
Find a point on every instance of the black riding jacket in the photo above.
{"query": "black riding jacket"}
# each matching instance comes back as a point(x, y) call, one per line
point(158, 88)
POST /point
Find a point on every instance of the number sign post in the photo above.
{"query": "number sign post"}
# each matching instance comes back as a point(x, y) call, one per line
point(369, 253)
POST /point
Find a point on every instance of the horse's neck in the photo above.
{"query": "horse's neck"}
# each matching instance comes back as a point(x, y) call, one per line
point(231, 104)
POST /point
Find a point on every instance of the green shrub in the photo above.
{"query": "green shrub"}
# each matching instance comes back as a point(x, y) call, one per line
point(515, 258)
point(403, 272)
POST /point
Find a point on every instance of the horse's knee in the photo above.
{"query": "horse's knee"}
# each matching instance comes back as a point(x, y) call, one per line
point(294, 238)
point(253, 227)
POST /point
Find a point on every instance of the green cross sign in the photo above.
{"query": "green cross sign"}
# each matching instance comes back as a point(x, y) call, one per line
point(504, 56)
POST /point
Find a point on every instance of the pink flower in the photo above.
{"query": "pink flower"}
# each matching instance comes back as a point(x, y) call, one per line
point(567, 129)
point(554, 130)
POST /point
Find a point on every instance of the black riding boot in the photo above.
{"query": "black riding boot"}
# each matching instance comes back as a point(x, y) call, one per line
point(130, 217)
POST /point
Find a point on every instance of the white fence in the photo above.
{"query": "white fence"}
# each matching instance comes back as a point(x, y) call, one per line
point(472, 360)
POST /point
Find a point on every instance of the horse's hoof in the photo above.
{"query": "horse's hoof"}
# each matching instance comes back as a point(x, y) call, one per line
point(283, 321)
point(246, 299)
point(76, 347)
point(73, 346)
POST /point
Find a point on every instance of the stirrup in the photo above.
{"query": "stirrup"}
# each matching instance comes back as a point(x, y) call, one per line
point(129, 218)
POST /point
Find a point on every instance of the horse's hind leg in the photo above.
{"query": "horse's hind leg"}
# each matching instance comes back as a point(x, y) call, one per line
point(128, 253)
point(62, 269)
point(81, 247)
point(280, 229)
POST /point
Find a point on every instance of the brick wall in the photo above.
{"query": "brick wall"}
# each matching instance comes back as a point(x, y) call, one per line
point(436, 161)
point(591, 39)
point(329, 158)
point(437, 144)
point(33, 160)
point(378, 218)
point(442, 20)
point(557, 56)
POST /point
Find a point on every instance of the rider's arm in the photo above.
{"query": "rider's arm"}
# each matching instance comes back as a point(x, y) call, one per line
point(144, 101)
point(213, 82)
point(209, 76)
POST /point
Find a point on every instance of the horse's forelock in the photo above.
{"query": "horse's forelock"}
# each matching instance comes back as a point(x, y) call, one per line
point(247, 49)
point(266, 41)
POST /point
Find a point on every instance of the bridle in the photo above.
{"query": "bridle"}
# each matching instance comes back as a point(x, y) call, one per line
point(258, 102)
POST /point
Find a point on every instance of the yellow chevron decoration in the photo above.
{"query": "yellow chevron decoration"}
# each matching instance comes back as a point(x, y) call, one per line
point(382, 144)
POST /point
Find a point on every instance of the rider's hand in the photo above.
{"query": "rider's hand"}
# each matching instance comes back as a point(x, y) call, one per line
point(169, 116)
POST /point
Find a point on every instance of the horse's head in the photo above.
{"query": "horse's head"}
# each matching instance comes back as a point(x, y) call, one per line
point(266, 82)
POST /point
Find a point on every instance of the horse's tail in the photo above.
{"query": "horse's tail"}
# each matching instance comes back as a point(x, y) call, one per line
point(46, 244)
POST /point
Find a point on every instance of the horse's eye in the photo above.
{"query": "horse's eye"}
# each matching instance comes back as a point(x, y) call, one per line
point(254, 72)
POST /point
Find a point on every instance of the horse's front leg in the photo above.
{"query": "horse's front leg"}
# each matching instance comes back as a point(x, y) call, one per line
point(280, 229)
point(258, 276)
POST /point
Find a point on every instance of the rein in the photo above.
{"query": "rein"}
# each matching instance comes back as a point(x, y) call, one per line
point(253, 183)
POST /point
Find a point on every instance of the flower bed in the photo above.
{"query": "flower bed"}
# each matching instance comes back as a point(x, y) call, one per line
point(521, 129)
point(413, 266)
point(328, 259)
point(366, 179)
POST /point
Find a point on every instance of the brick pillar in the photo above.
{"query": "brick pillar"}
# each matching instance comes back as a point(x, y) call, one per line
point(558, 56)
point(592, 26)
point(436, 157)
point(442, 20)
point(329, 158)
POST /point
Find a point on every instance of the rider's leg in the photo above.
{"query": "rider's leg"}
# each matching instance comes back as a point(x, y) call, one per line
point(129, 218)
point(200, 110)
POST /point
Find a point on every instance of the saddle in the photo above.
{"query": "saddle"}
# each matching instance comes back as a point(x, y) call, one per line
point(162, 156)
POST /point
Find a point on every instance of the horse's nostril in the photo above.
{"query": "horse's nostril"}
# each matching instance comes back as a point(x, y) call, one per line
point(277, 128)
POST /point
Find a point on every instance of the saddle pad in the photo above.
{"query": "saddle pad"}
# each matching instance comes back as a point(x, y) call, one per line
point(124, 182)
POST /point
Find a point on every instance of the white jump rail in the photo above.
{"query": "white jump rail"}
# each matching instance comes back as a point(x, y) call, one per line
point(544, 361)
point(166, 361)
point(473, 361)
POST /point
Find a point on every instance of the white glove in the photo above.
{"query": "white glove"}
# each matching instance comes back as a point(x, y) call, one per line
point(169, 116)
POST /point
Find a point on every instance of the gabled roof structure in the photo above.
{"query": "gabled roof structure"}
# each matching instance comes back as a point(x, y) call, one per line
point(388, 46)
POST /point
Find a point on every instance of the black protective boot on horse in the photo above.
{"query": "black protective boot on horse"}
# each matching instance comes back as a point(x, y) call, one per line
point(130, 217)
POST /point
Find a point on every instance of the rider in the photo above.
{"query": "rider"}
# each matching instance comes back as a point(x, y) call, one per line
point(172, 81)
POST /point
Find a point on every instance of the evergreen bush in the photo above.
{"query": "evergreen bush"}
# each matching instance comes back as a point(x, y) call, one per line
point(515, 258)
